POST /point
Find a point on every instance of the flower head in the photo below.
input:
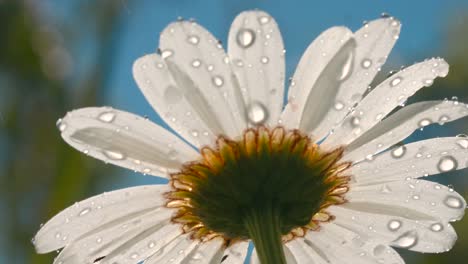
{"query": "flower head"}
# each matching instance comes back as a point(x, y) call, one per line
point(325, 179)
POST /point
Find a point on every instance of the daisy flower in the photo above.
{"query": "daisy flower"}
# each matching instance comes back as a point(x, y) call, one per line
point(324, 179)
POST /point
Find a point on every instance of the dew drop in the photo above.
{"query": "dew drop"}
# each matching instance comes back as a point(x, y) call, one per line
point(134, 255)
point(196, 63)
point(84, 211)
point(395, 81)
point(245, 38)
point(194, 133)
point(407, 240)
point(463, 141)
point(166, 53)
point(217, 80)
point(172, 95)
point(443, 119)
point(264, 60)
point(453, 202)
point(399, 152)
point(257, 113)
point(379, 250)
point(114, 155)
point(394, 225)
point(355, 121)
point(447, 163)
point(173, 153)
point(347, 68)
point(424, 122)
point(385, 189)
point(427, 82)
point(264, 19)
point(339, 105)
point(193, 39)
point(366, 63)
point(61, 125)
point(437, 227)
point(107, 117)
point(151, 244)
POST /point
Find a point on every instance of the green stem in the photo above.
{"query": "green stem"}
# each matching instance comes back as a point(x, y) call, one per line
point(263, 227)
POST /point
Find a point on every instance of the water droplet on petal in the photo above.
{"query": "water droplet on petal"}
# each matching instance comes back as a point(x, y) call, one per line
point(366, 63)
point(264, 60)
point(407, 240)
point(385, 189)
point(257, 113)
point(463, 141)
point(114, 155)
point(399, 152)
point(379, 250)
point(264, 19)
point(218, 81)
point(443, 119)
point(424, 122)
point(107, 117)
point(172, 95)
point(453, 202)
point(134, 255)
point(447, 163)
point(437, 227)
point(394, 225)
point(347, 68)
point(427, 82)
point(166, 53)
point(339, 105)
point(193, 39)
point(196, 63)
point(245, 37)
point(395, 81)
point(61, 125)
point(151, 244)
point(84, 211)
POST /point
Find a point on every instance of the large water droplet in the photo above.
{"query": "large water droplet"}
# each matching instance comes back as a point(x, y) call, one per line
point(424, 122)
point(257, 113)
point(347, 68)
point(407, 240)
point(447, 163)
point(437, 227)
point(264, 19)
point(172, 95)
point(196, 63)
point(339, 105)
point(463, 141)
point(394, 225)
point(245, 37)
point(61, 125)
point(379, 250)
point(399, 152)
point(395, 81)
point(114, 155)
point(107, 117)
point(453, 202)
point(264, 59)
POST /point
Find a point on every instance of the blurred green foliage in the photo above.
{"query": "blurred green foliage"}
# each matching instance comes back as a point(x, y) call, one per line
point(40, 175)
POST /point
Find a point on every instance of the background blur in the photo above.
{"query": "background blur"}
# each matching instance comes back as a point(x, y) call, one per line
point(59, 55)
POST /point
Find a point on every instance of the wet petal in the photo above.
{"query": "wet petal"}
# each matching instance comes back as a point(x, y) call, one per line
point(400, 125)
point(414, 160)
point(417, 235)
point(100, 213)
point(412, 198)
point(210, 87)
point(257, 56)
point(125, 140)
point(385, 97)
point(317, 80)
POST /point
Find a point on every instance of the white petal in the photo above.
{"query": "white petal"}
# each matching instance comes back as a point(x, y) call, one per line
point(374, 41)
point(89, 216)
point(421, 235)
point(236, 254)
point(317, 80)
point(411, 198)
point(414, 160)
point(206, 252)
point(385, 97)
point(256, 50)
point(128, 242)
point(211, 87)
point(400, 125)
point(290, 259)
point(304, 253)
point(174, 252)
point(125, 140)
point(182, 107)
point(336, 244)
